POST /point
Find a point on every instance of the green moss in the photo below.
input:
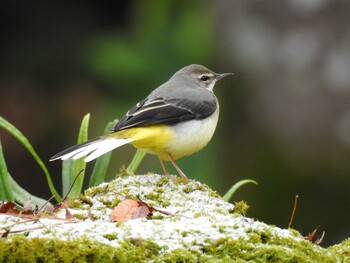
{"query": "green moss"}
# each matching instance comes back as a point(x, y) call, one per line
point(184, 233)
point(260, 235)
point(139, 250)
point(157, 216)
point(294, 232)
point(145, 244)
point(110, 236)
point(100, 189)
point(178, 255)
point(241, 208)
point(110, 195)
point(110, 202)
point(159, 190)
point(180, 180)
point(158, 197)
point(192, 186)
point(119, 224)
point(342, 251)
point(221, 229)
point(198, 214)
point(80, 216)
point(163, 182)
point(80, 201)
point(20, 249)
point(257, 242)
point(247, 251)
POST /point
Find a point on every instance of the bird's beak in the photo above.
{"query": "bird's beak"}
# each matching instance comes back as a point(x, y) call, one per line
point(222, 75)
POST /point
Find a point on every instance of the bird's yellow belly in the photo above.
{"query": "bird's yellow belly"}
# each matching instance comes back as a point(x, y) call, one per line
point(153, 139)
point(179, 140)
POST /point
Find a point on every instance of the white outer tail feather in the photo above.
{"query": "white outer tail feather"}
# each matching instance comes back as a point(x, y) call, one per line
point(96, 149)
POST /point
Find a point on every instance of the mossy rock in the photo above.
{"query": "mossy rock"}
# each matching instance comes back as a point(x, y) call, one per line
point(201, 228)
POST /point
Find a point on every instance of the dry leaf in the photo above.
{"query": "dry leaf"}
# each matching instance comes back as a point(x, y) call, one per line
point(13, 209)
point(9, 208)
point(311, 235)
point(65, 205)
point(319, 240)
point(69, 214)
point(130, 209)
point(5, 234)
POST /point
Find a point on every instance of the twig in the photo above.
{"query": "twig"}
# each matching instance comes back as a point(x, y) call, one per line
point(75, 179)
point(294, 209)
point(38, 227)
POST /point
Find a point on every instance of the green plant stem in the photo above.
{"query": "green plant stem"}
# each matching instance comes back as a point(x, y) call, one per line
point(6, 192)
point(135, 162)
point(235, 187)
point(67, 171)
point(22, 196)
point(24, 141)
point(79, 165)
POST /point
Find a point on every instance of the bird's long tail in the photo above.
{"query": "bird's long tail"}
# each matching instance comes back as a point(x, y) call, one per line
point(92, 149)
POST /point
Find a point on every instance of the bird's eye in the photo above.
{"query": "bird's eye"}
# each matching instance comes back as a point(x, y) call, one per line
point(204, 77)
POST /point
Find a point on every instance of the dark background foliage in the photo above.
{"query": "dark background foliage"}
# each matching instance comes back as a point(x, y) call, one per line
point(284, 121)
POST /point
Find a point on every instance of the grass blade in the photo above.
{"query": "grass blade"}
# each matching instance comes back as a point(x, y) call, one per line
point(78, 165)
point(24, 141)
point(100, 169)
point(235, 187)
point(67, 172)
point(5, 185)
point(22, 196)
point(135, 162)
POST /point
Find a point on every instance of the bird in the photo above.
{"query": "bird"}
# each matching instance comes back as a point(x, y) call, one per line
point(176, 119)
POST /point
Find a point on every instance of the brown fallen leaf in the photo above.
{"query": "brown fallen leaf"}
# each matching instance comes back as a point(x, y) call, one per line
point(5, 234)
point(312, 234)
point(65, 205)
point(9, 208)
point(130, 209)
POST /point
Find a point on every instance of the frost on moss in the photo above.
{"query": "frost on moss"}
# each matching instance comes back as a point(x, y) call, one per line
point(202, 228)
point(341, 251)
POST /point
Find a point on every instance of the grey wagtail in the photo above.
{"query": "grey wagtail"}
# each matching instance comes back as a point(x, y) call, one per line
point(176, 119)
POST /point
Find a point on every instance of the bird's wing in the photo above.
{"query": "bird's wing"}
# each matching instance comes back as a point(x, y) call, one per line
point(165, 111)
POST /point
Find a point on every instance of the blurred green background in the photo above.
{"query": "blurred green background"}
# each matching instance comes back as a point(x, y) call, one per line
point(285, 115)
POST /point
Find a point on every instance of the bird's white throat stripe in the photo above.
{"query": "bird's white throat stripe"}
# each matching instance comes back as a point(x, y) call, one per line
point(211, 86)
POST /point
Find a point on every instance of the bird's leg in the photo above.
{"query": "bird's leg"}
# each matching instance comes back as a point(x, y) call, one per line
point(182, 174)
point(163, 166)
